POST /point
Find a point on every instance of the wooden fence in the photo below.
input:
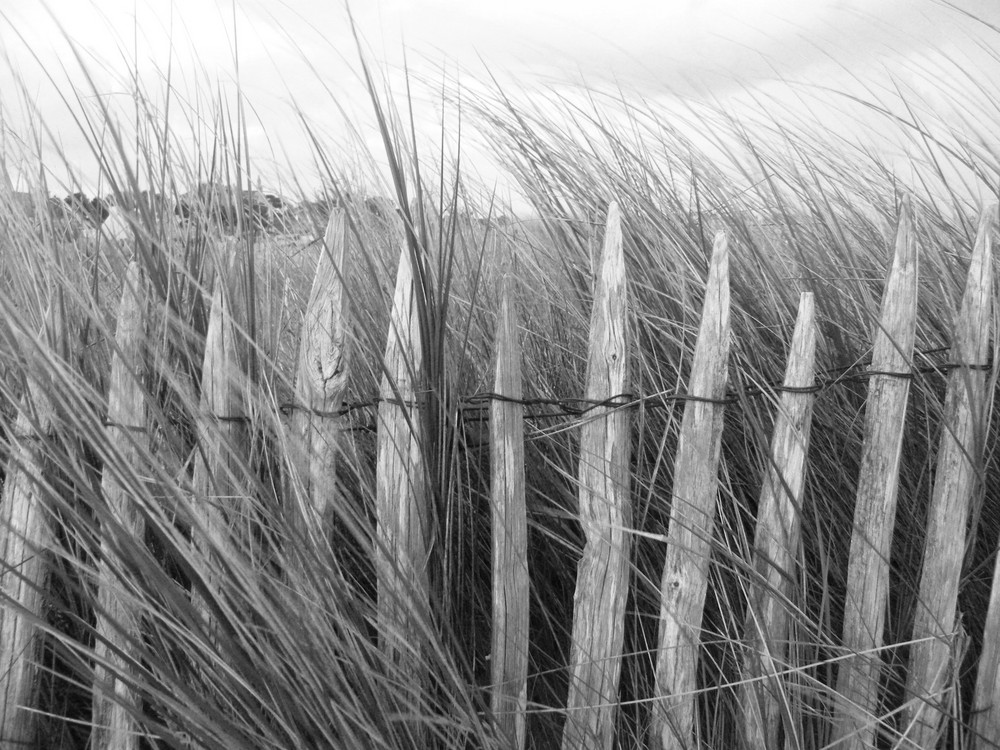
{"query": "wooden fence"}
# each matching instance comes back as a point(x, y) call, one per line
point(401, 548)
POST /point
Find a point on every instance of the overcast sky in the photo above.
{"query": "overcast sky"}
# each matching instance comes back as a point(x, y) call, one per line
point(298, 55)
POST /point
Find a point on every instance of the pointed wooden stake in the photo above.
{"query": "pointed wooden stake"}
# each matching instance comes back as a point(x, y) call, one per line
point(875, 509)
point(776, 543)
point(605, 513)
point(321, 383)
point(118, 627)
point(510, 530)
point(692, 518)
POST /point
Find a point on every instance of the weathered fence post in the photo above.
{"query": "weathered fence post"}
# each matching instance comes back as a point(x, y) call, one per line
point(959, 465)
point(510, 530)
point(779, 528)
point(323, 370)
point(401, 490)
point(222, 446)
point(26, 537)
point(986, 699)
point(692, 517)
point(118, 627)
point(605, 512)
point(875, 509)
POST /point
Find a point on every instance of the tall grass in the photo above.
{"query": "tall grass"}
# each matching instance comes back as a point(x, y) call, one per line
point(289, 656)
point(804, 217)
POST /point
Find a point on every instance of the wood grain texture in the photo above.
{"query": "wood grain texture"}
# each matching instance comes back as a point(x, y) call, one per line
point(219, 494)
point(27, 537)
point(964, 440)
point(510, 530)
point(321, 380)
point(855, 719)
point(692, 518)
point(776, 542)
point(959, 464)
point(605, 513)
point(118, 625)
point(401, 489)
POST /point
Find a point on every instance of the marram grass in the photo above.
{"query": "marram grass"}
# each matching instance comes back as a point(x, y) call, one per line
point(267, 637)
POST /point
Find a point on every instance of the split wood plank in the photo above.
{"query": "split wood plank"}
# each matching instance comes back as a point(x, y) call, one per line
point(692, 517)
point(510, 530)
point(855, 719)
point(986, 699)
point(321, 382)
point(402, 511)
point(27, 536)
point(220, 464)
point(118, 625)
point(956, 480)
point(776, 542)
point(605, 513)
